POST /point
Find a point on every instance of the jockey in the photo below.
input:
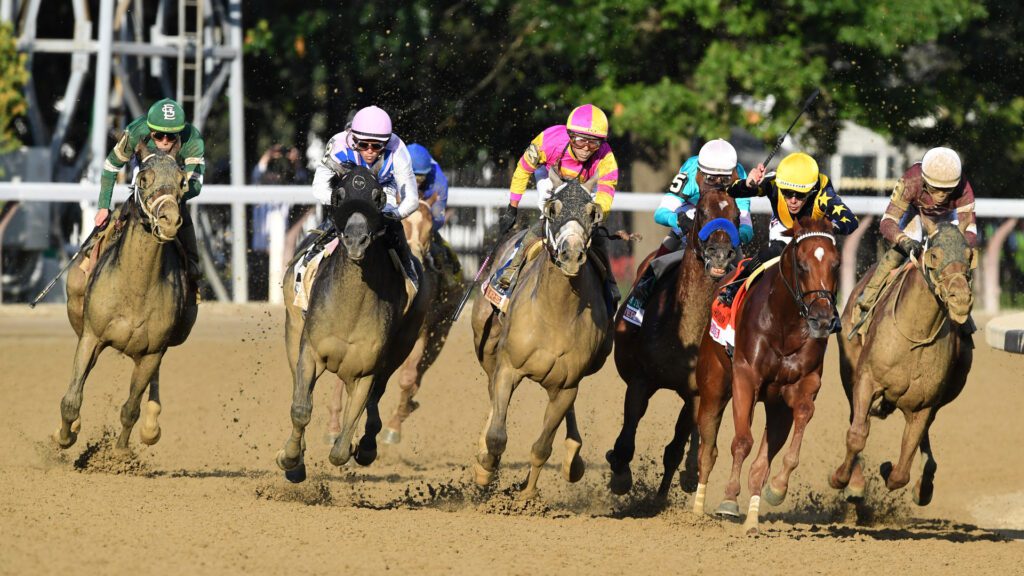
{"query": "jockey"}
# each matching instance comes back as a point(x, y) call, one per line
point(369, 142)
point(715, 164)
point(577, 150)
point(433, 187)
point(163, 128)
point(797, 189)
point(933, 189)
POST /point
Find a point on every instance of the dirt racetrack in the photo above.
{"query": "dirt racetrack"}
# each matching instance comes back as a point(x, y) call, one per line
point(208, 497)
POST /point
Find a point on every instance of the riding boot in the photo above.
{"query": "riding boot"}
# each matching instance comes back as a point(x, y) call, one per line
point(187, 237)
point(599, 250)
point(507, 277)
point(891, 260)
point(643, 288)
point(397, 242)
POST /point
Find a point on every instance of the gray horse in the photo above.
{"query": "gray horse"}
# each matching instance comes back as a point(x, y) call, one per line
point(359, 324)
point(136, 299)
point(557, 330)
point(912, 358)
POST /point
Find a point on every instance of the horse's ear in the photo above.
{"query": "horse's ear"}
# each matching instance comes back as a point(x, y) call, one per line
point(790, 232)
point(552, 208)
point(337, 190)
point(933, 257)
point(589, 184)
point(379, 197)
point(555, 178)
point(972, 257)
point(596, 213)
point(144, 178)
point(142, 152)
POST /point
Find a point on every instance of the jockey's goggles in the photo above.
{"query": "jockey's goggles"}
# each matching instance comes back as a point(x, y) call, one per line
point(162, 136)
point(588, 142)
point(363, 145)
point(717, 179)
point(935, 190)
point(790, 194)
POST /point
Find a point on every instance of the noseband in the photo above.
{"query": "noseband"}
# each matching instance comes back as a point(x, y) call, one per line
point(705, 232)
point(937, 282)
point(150, 208)
point(801, 298)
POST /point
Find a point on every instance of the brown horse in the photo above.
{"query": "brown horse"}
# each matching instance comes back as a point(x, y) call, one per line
point(912, 358)
point(662, 352)
point(360, 323)
point(782, 329)
point(556, 331)
point(136, 298)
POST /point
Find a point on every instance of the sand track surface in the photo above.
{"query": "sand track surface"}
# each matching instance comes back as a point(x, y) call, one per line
point(208, 497)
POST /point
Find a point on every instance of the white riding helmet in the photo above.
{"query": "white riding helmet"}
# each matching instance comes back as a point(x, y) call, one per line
point(717, 157)
point(941, 168)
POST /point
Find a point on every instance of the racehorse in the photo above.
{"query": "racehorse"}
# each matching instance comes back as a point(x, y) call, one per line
point(782, 329)
point(360, 323)
point(662, 352)
point(912, 358)
point(556, 330)
point(136, 299)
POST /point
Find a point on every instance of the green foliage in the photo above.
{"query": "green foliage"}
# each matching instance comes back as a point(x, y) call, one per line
point(13, 77)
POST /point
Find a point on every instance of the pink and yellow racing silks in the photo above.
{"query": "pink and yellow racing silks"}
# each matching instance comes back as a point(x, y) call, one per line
point(551, 149)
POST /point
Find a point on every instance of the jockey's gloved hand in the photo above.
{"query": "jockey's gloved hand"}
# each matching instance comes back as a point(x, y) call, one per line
point(746, 233)
point(684, 223)
point(507, 220)
point(909, 246)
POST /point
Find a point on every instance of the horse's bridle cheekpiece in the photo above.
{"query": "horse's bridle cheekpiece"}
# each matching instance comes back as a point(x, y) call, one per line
point(800, 299)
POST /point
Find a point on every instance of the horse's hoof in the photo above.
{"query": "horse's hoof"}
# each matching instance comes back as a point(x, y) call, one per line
point(573, 467)
point(688, 481)
point(528, 494)
point(365, 456)
point(149, 438)
point(728, 509)
point(621, 483)
point(340, 455)
point(285, 463)
point(853, 495)
point(772, 496)
point(752, 530)
point(885, 469)
point(296, 475)
point(390, 436)
point(481, 475)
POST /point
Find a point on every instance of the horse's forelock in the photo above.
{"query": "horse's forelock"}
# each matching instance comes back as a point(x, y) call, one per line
point(952, 242)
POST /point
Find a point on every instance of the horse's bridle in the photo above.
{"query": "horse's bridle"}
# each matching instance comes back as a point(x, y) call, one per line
point(801, 299)
point(151, 207)
point(700, 253)
point(937, 282)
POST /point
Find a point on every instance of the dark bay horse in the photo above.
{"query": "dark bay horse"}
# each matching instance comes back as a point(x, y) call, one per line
point(136, 299)
point(556, 331)
point(782, 329)
point(356, 325)
point(662, 352)
point(912, 358)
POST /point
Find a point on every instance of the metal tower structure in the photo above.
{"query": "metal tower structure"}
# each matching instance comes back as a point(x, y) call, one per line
point(194, 63)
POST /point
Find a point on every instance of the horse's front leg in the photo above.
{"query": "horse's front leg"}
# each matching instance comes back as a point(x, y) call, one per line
point(917, 425)
point(358, 396)
point(307, 370)
point(714, 379)
point(925, 487)
point(334, 406)
point(560, 400)
point(856, 438)
point(778, 420)
point(146, 367)
point(494, 438)
point(149, 433)
point(638, 397)
point(744, 393)
point(86, 353)
point(674, 450)
point(573, 467)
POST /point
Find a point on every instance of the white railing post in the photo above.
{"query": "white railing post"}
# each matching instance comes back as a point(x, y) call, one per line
point(990, 269)
point(276, 224)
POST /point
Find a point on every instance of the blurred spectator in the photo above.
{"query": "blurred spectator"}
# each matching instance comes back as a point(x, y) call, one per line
point(279, 165)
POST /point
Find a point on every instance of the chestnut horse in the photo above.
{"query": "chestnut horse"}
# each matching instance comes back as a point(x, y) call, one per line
point(662, 352)
point(912, 358)
point(782, 329)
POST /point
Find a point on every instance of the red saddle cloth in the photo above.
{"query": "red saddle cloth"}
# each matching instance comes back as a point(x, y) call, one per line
point(723, 316)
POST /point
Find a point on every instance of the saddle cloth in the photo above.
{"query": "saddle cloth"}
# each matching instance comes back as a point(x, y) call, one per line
point(307, 267)
point(492, 291)
point(723, 318)
point(634, 312)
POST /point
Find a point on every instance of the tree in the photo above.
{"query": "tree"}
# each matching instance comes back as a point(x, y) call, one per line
point(13, 77)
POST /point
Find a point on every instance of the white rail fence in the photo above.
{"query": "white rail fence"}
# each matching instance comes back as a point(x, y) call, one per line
point(468, 236)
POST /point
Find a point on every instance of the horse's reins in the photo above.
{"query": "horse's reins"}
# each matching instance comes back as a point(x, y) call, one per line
point(827, 295)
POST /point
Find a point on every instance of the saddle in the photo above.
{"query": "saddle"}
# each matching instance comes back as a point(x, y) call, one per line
point(102, 240)
point(492, 291)
point(723, 318)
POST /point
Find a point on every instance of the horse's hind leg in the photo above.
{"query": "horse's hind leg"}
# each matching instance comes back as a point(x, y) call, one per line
point(925, 487)
point(409, 376)
point(573, 467)
point(638, 396)
point(145, 369)
point(559, 402)
point(71, 405)
point(674, 450)
point(917, 426)
point(307, 370)
point(503, 383)
point(149, 433)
